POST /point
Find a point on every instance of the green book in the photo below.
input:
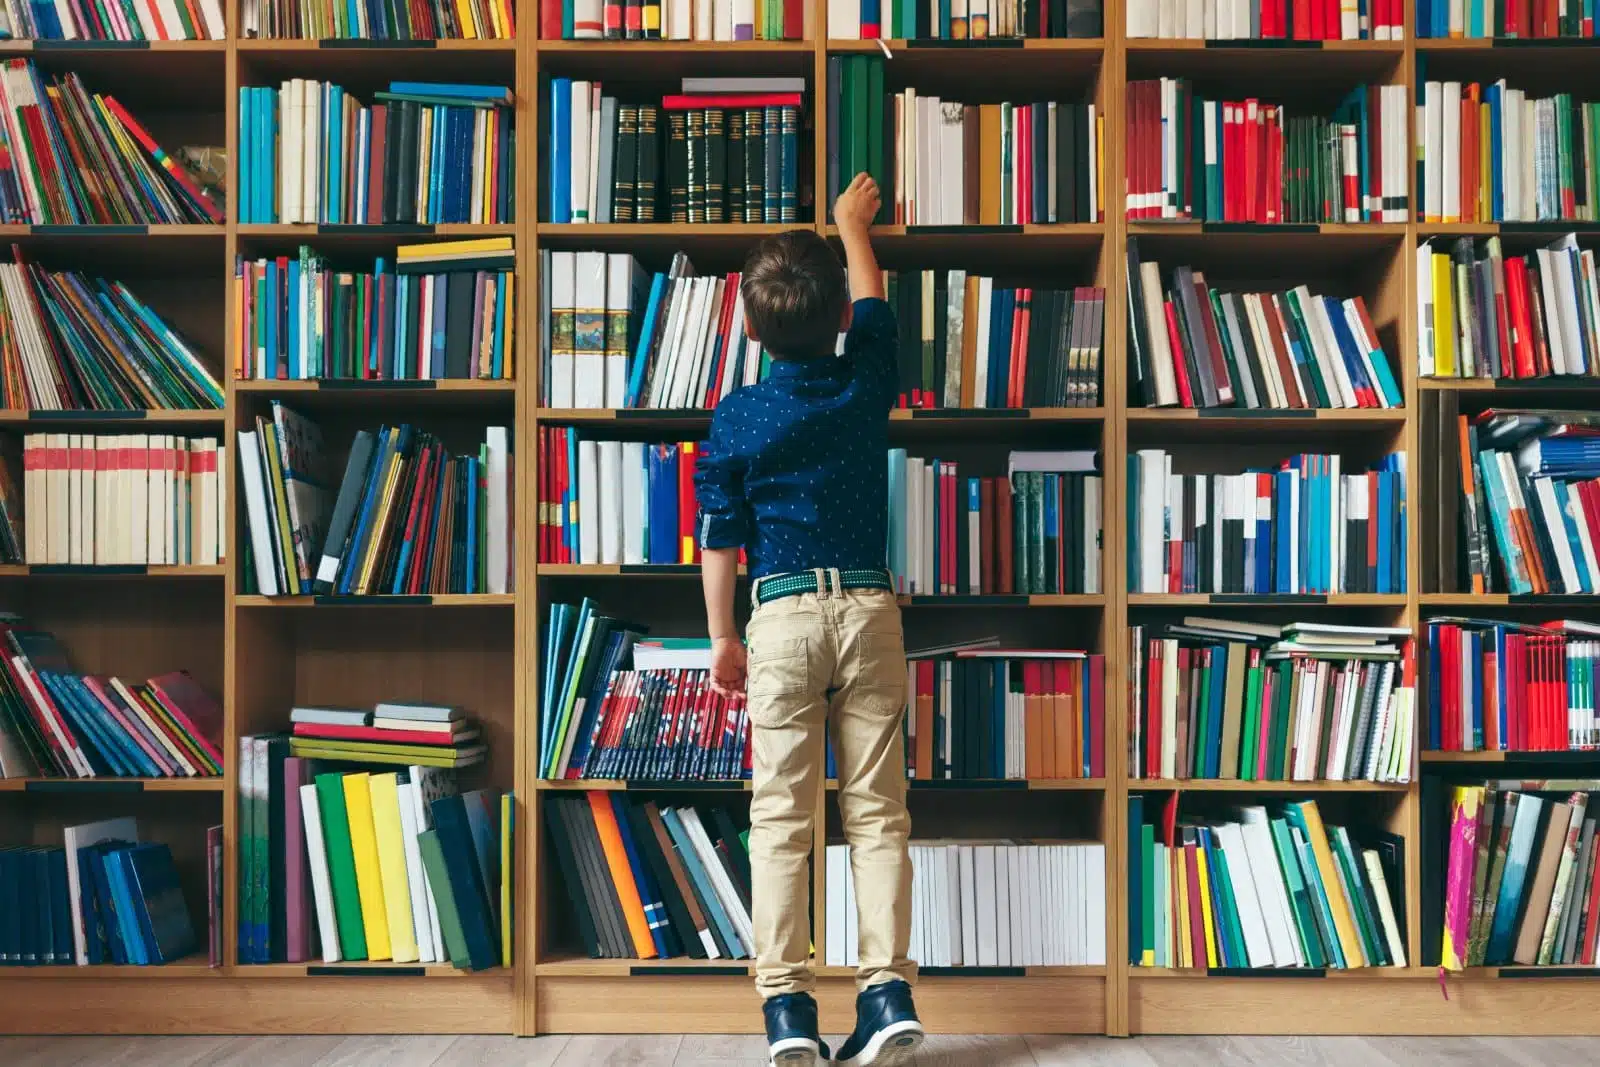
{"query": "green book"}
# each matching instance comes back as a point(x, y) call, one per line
point(1202, 725)
point(1227, 907)
point(1313, 368)
point(1019, 533)
point(247, 848)
point(421, 755)
point(1316, 892)
point(1367, 924)
point(849, 120)
point(1147, 853)
point(341, 865)
point(1250, 734)
point(874, 137)
point(1282, 704)
point(1299, 900)
point(1036, 576)
point(444, 897)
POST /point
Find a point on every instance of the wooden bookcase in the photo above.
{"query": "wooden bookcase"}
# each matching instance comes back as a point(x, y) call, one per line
point(482, 651)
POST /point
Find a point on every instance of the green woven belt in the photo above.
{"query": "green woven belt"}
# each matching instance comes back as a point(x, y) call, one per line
point(776, 586)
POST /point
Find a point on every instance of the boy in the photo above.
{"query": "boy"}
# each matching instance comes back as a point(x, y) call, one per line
point(795, 472)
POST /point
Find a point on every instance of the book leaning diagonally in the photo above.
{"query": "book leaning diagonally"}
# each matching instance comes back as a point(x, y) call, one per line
point(321, 887)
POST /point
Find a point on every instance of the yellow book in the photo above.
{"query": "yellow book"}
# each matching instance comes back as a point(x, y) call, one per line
point(369, 882)
point(268, 438)
point(476, 246)
point(1444, 317)
point(1100, 167)
point(392, 867)
point(1343, 922)
point(1205, 908)
point(1180, 885)
point(390, 480)
point(469, 25)
point(508, 814)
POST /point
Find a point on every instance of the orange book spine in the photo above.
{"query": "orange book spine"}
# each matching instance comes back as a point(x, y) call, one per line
point(605, 821)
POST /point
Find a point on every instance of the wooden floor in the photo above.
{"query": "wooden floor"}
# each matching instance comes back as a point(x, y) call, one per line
point(746, 1051)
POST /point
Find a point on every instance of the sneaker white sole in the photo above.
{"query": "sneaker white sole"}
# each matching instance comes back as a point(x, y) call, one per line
point(893, 1046)
point(793, 1052)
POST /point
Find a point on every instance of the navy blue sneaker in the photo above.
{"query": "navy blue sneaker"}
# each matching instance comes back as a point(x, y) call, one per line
point(887, 1030)
point(792, 1038)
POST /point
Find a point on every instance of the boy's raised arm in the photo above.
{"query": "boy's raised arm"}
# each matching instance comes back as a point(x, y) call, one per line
point(853, 212)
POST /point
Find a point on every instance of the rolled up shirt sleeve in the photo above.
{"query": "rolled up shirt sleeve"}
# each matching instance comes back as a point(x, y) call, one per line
point(724, 519)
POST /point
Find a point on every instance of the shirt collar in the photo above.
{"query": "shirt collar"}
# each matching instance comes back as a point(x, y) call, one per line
point(806, 369)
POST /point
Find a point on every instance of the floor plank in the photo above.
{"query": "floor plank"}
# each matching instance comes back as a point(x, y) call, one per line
point(476, 1049)
point(1078, 1050)
point(724, 1050)
point(955, 1050)
point(653, 1050)
point(399, 1051)
point(278, 1051)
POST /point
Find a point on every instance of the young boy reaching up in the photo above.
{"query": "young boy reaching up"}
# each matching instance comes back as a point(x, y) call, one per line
point(795, 473)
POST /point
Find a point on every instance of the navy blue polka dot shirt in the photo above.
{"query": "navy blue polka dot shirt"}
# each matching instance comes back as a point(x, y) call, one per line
point(796, 468)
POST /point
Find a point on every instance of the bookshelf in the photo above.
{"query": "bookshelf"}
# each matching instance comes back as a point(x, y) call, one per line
point(263, 654)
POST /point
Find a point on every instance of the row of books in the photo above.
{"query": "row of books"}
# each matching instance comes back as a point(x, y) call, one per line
point(672, 20)
point(1037, 530)
point(1267, 20)
point(410, 517)
point(1511, 687)
point(1005, 714)
point(1514, 20)
point(1481, 314)
point(1262, 888)
point(76, 341)
point(373, 20)
point(441, 310)
point(1195, 346)
point(967, 343)
point(617, 703)
point(129, 20)
point(987, 904)
point(952, 164)
point(723, 153)
point(1491, 153)
point(1520, 884)
point(649, 881)
point(101, 898)
point(77, 157)
point(58, 723)
point(616, 501)
point(962, 20)
point(1221, 698)
point(423, 152)
point(394, 732)
point(1251, 161)
point(1530, 500)
point(1304, 527)
point(110, 499)
point(364, 866)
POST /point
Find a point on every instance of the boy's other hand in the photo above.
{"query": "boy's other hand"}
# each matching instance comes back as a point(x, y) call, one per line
point(857, 206)
point(728, 665)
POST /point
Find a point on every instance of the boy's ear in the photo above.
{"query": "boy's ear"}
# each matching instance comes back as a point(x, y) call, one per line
point(847, 318)
point(750, 331)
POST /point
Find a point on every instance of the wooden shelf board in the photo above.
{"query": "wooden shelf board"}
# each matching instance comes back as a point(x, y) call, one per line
point(22, 45)
point(1332, 600)
point(398, 48)
point(582, 965)
point(1287, 974)
point(345, 387)
point(664, 47)
point(46, 420)
point(1231, 785)
point(154, 570)
point(1555, 603)
point(1156, 228)
point(1001, 46)
point(1160, 45)
point(1254, 417)
point(675, 232)
point(1515, 759)
point(374, 968)
point(194, 966)
point(566, 785)
point(314, 233)
point(436, 600)
point(945, 419)
point(89, 785)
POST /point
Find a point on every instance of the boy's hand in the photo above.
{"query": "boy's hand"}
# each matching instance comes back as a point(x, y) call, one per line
point(857, 206)
point(728, 666)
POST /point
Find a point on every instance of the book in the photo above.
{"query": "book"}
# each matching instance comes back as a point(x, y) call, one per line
point(858, 20)
point(134, 22)
point(437, 20)
point(674, 20)
point(1255, 162)
point(1517, 20)
point(1304, 527)
point(1266, 20)
point(1540, 692)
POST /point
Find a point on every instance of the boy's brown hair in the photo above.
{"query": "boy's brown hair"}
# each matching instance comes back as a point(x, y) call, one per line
point(795, 295)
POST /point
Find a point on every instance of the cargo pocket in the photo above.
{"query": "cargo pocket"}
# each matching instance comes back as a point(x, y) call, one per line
point(779, 680)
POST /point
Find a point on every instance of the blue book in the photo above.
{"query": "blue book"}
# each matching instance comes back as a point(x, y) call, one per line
point(99, 743)
point(466, 882)
point(1000, 355)
point(127, 745)
point(455, 90)
point(443, 143)
point(1497, 189)
point(1502, 703)
point(569, 502)
point(1503, 930)
point(556, 634)
point(267, 161)
point(60, 905)
point(569, 679)
point(389, 440)
point(133, 946)
point(497, 362)
point(10, 909)
point(436, 351)
point(1322, 909)
point(641, 353)
point(1219, 674)
point(655, 908)
point(473, 476)
point(897, 517)
point(23, 870)
point(247, 152)
point(561, 146)
point(711, 903)
point(162, 913)
point(663, 503)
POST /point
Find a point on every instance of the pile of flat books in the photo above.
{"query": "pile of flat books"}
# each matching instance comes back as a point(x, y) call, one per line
point(427, 735)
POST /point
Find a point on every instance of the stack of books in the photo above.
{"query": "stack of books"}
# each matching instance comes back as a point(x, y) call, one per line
point(1520, 883)
point(1530, 500)
point(101, 898)
point(999, 904)
point(366, 866)
point(70, 340)
point(1251, 161)
point(1035, 530)
point(1195, 346)
point(147, 20)
point(1483, 315)
point(323, 20)
point(724, 150)
point(1305, 527)
point(954, 164)
point(1220, 698)
point(425, 152)
point(425, 735)
point(443, 310)
point(672, 20)
point(94, 500)
point(618, 704)
point(1268, 20)
point(647, 881)
point(1491, 153)
point(131, 181)
point(615, 501)
point(409, 517)
point(1517, 20)
point(1512, 687)
point(962, 20)
point(1005, 713)
point(1262, 889)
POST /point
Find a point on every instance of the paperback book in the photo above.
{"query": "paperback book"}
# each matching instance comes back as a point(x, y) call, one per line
point(962, 20)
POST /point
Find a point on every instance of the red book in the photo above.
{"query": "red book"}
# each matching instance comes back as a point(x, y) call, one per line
point(690, 101)
point(1020, 317)
point(373, 733)
point(1180, 371)
point(1023, 121)
point(987, 557)
point(688, 454)
point(947, 527)
point(1003, 564)
point(794, 19)
point(550, 19)
point(1154, 674)
point(1591, 926)
point(1302, 21)
point(1197, 929)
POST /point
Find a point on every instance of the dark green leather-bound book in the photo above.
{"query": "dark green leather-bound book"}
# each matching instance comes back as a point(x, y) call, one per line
point(754, 155)
point(789, 164)
point(647, 179)
point(715, 165)
point(677, 166)
point(771, 165)
point(733, 161)
point(696, 165)
point(874, 135)
point(627, 164)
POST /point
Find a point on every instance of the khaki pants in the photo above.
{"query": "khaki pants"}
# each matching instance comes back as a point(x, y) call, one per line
point(834, 657)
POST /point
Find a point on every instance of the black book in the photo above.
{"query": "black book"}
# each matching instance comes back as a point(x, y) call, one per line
point(696, 165)
point(647, 180)
point(1073, 509)
point(1032, 19)
point(1192, 329)
point(983, 751)
point(406, 195)
point(1082, 18)
point(729, 833)
point(672, 888)
point(626, 170)
point(1066, 205)
point(1082, 153)
point(391, 160)
point(771, 169)
point(833, 128)
point(733, 166)
point(678, 166)
point(963, 543)
point(633, 20)
point(572, 878)
point(1056, 19)
point(908, 317)
point(964, 694)
point(677, 935)
point(941, 334)
point(606, 901)
point(459, 296)
point(1138, 337)
point(278, 914)
point(1039, 116)
point(755, 154)
point(716, 165)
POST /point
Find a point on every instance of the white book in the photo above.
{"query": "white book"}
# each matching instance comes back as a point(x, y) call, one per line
point(563, 304)
point(1097, 904)
point(624, 299)
point(1550, 508)
point(1450, 139)
point(1250, 909)
point(291, 177)
point(422, 930)
point(719, 878)
point(589, 319)
point(634, 507)
point(261, 531)
point(498, 510)
point(74, 838)
point(589, 517)
point(980, 378)
point(1433, 151)
point(1143, 18)
point(1271, 892)
point(427, 785)
point(838, 875)
point(967, 858)
point(1154, 473)
point(1002, 906)
point(609, 518)
point(852, 929)
point(321, 885)
point(1380, 889)
point(579, 174)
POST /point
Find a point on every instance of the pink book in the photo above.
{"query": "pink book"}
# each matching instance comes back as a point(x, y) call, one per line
point(194, 709)
point(1458, 880)
point(214, 894)
point(134, 728)
point(296, 874)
